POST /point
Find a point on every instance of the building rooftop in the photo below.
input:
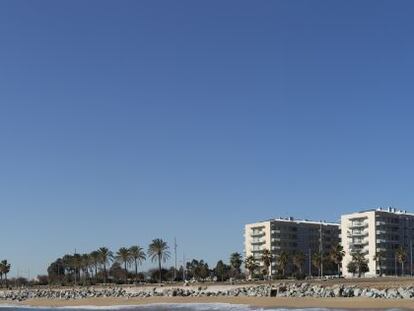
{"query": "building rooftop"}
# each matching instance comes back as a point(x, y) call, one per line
point(301, 221)
point(390, 210)
point(394, 211)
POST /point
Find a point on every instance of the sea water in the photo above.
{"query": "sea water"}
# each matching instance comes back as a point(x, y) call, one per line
point(176, 307)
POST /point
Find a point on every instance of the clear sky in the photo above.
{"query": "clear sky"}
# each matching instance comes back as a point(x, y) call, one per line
point(124, 121)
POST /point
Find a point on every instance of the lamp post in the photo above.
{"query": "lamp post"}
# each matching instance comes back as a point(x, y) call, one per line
point(321, 248)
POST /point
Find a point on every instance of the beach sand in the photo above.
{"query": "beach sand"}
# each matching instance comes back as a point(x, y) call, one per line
point(266, 302)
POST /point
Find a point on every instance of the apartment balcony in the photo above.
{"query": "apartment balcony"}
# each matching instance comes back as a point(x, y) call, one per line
point(357, 234)
point(257, 250)
point(363, 251)
point(257, 242)
point(390, 265)
point(358, 243)
point(381, 232)
point(275, 239)
point(380, 223)
point(275, 248)
point(275, 231)
point(358, 225)
point(257, 234)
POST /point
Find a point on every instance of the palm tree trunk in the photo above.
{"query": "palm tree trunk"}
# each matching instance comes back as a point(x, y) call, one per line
point(159, 266)
point(126, 272)
point(402, 268)
point(136, 270)
point(339, 271)
point(5, 278)
point(104, 266)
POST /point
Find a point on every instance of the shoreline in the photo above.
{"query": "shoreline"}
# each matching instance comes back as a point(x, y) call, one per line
point(259, 302)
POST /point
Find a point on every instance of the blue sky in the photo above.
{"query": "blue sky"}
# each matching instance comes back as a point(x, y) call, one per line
point(123, 121)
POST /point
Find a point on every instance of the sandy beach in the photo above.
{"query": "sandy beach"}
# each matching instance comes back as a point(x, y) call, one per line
point(266, 302)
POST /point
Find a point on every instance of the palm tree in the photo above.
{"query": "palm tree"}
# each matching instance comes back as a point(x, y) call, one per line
point(86, 260)
point(123, 256)
point(379, 258)
point(235, 262)
point(251, 265)
point(221, 270)
point(360, 262)
point(317, 262)
point(401, 256)
point(138, 255)
point(267, 261)
point(67, 263)
point(105, 257)
point(5, 268)
point(336, 255)
point(298, 259)
point(1, 275)
point(91, 267)
point(158, 250)
point(95, 259)
point(76, 264)
point(283, 261)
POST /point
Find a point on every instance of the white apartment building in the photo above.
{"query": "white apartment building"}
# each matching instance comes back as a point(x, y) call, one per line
point(377, 230)
point(291, 235)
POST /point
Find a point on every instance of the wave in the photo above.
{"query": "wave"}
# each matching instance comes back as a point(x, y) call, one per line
point(178, 306)
point(170, 307)
point(150, 306)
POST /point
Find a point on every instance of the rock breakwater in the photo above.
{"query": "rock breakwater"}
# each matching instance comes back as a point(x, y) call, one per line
point(274, 290)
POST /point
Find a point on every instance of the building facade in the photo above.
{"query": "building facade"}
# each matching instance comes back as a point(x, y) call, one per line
point(380, 231)
point(291, 236)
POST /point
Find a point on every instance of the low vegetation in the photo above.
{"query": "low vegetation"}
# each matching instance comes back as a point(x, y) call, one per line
point(123, 266)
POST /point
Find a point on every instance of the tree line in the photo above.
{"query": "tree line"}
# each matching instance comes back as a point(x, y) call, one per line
point(99, 264)
point(104, 266)
point(357, 266)
point(294, 262)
